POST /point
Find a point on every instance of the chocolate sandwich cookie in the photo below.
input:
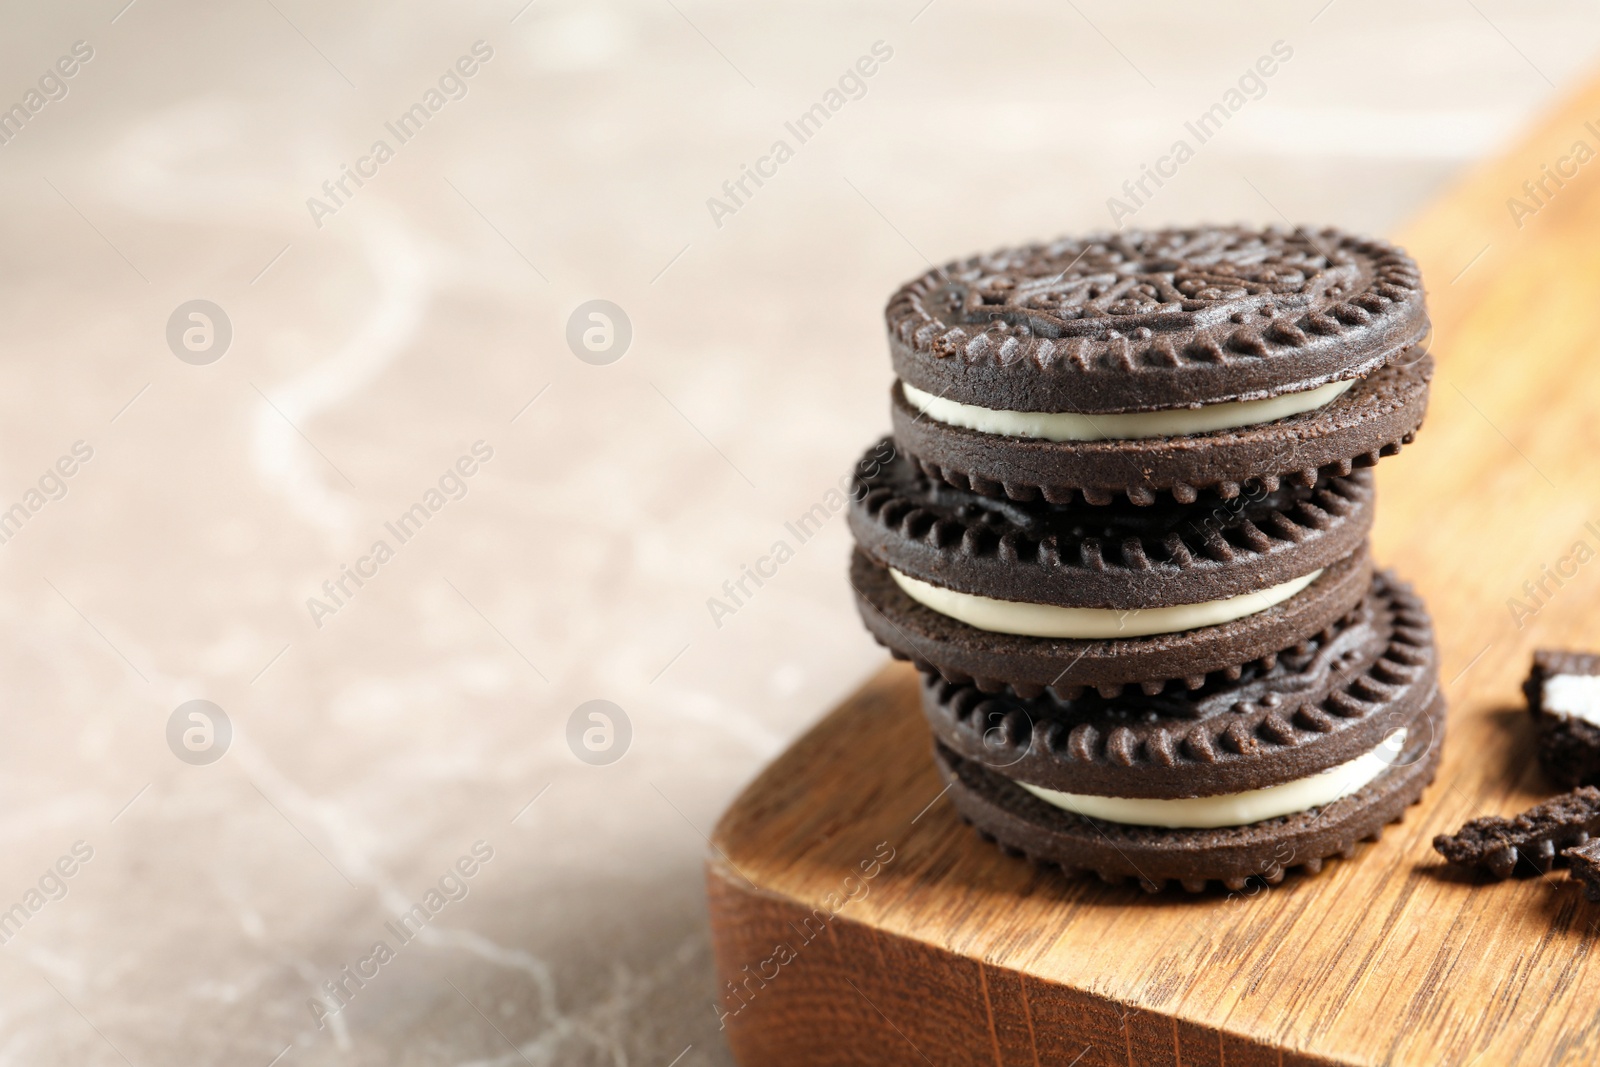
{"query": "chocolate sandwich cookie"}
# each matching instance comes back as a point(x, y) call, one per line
point(1563, 691)
point(1195, 857)
point(1151, 363)
point(1068, 595)
point(1336, 699)
point(1282, 768)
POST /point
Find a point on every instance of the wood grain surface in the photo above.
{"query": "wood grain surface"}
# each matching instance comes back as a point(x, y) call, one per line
point(950, 952)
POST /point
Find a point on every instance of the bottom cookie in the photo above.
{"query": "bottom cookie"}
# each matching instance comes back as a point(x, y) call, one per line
point(1022, 824)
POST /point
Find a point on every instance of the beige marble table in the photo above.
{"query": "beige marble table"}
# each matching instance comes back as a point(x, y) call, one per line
point(398, 761)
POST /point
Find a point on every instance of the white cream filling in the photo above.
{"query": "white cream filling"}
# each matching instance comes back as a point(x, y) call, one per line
point(1234, 809)
point(1572, 696)
point(1126, 426)
point(1090, 624)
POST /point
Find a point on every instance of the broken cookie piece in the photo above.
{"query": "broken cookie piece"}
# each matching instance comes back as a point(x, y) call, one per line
point(1537, 836)
point(1584, 862)
point(1563, 693)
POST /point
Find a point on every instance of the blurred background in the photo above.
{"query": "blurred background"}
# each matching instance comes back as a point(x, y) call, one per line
point(413, 337)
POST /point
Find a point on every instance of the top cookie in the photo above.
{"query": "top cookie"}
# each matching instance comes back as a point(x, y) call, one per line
point(1155, 320)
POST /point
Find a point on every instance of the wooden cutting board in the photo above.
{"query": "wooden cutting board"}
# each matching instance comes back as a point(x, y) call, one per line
point(864, 924)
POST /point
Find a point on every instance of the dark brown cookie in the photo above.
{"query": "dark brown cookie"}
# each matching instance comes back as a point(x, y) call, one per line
point(1338, 698)
point(1374, 418)
point(1569, 746)
point(1583, 861)
point(1108, 556)
point(1143, 321)
point(1536, 837)
point(1155, 858)
point(1031, 665)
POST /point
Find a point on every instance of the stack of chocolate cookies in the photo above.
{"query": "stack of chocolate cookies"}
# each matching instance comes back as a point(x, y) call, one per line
point(1123, 535)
